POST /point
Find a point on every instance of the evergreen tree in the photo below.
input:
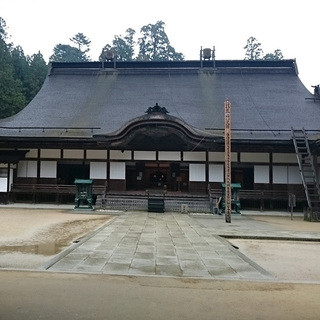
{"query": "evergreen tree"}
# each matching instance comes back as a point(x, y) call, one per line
point(276, 55)
point(130, 41)
point(82, 41)
point(3, 27)
point(67, 53)
point(21, 68)
point(21, 77)
point(154, 44)
point(31, 71)
point(83, 44)
point(255, 52)
point(123, 47)
point(253, 49)
point(38, 70)
point(12, 99)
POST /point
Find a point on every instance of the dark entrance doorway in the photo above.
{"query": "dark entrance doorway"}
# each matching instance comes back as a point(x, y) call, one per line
point(68, 172)
point(243, 175)
point(155, 175)
point(158, 179)
point(135, 176)
point(158, 175)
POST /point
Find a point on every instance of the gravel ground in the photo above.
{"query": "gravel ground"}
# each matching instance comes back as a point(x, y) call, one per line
point(287, 260)
point(29, 238)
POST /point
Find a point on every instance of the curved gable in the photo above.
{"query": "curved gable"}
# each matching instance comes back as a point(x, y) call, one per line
point(156, 131)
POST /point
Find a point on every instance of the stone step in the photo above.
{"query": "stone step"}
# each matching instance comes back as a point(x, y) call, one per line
point(179, 204)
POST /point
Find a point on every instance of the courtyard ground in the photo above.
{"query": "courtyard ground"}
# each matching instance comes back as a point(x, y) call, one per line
point(52, 296)
point(31, 236)
point(292, 292)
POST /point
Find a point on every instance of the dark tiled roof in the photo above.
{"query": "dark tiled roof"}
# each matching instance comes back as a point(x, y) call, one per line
point(265, 95)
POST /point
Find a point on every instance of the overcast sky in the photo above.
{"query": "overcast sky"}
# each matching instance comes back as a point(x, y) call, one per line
point(292, 26)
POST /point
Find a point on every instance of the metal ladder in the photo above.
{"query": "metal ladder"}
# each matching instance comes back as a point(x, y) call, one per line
point(307, 171)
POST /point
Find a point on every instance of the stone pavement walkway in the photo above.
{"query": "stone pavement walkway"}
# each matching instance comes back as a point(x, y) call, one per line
point(244, 227)
point(165, 244)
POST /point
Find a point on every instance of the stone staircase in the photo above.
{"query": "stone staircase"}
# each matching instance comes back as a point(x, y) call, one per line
point(138, 201)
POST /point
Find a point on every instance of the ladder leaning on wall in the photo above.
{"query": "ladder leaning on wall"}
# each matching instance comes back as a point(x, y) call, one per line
point(307, 171)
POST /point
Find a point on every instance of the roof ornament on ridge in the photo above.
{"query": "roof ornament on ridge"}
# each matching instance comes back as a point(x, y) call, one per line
point(316, 91)
point(157, 109)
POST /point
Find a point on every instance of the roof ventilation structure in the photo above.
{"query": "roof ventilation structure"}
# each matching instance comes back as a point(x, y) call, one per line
point(207, 54)
point(108, 55)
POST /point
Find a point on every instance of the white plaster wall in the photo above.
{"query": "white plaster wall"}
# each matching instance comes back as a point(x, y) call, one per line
point(3, 184)
point(254, 157)
point(22, 169)
point(120, 155)
point(97, 154)
point(117, 170)
point(32, 153)
point(261, 174)
point(294, 176)
point(216, 173)
point(98, 170)
point(197, 172)
point(194, 156)
point(280, 174)
point(27, 169)
point(50, 153)
point(219, 156)
point(169, 156)
point(284, 158)
point(32, 169)
point(73, 154)
point(4, 179)
point(144, 155)
point(48, 169)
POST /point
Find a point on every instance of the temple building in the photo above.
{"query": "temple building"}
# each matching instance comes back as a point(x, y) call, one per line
point(132, 126)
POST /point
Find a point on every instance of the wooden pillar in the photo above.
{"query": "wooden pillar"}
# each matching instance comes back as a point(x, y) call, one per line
point(107, 186)
point(8, 177)
point(8, 182)
point(271, 178)
point(38, 165)
point(227, 154)
point(207, 170)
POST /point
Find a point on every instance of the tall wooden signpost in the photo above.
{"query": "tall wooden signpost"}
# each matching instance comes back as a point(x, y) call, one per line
point(227, 153)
